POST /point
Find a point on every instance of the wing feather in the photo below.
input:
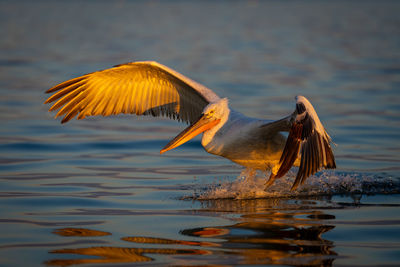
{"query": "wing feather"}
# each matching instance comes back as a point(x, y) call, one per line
point(308, 140)
point(93, 98)
point(141, 88)
point(74, 104)
point(67, 99)
point(66, 84)
point(65, 96)
point(65, 91)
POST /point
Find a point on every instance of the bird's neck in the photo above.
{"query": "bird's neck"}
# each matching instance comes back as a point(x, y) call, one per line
point(209, 134)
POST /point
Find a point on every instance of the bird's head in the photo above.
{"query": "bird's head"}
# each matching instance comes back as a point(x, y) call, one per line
point(213, 114)
point(216, 110)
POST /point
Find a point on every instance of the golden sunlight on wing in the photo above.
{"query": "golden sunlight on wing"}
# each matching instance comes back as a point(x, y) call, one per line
point(141, 88)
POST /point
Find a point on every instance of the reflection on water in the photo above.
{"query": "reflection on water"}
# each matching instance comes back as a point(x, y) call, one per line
point(116, 254)
point(153, 240)
point(269, 231)
point(260, 242)
point(97, 191)
point(79, 232)
point(272, 231)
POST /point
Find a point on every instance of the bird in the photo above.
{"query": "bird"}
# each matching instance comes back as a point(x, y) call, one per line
point(151, 88)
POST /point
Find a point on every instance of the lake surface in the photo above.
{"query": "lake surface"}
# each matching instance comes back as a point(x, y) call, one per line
point(97, 192)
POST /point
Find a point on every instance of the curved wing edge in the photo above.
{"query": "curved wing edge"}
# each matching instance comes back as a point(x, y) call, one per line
point(141, 88)
point(308, 140)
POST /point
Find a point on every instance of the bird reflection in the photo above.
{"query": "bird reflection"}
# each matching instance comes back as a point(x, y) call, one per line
point(274, 232)
point(164, 241)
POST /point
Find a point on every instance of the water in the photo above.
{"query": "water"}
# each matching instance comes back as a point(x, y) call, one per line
point(96, 192)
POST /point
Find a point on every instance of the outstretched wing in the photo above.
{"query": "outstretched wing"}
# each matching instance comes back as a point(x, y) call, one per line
point(308, 140)
point(141, 88)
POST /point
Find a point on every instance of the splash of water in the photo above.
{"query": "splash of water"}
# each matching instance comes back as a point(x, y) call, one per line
point(324, 183)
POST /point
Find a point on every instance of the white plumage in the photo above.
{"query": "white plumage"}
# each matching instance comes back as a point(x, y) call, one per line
point(150, 88)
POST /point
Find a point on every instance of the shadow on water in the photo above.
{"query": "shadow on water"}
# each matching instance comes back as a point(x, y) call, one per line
point(265, 231)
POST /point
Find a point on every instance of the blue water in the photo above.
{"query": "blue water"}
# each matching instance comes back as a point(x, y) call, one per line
point(97, 192)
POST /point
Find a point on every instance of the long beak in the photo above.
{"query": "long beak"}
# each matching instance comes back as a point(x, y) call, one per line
point(201, 125)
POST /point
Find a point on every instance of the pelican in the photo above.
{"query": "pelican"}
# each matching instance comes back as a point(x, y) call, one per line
point(150, 88)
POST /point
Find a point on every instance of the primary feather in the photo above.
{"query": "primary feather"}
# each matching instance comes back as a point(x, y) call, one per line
point(141, 88)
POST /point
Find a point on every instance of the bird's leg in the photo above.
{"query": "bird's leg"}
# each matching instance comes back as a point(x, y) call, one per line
point(270, 181)
point(247, 174)
point(272, 177)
